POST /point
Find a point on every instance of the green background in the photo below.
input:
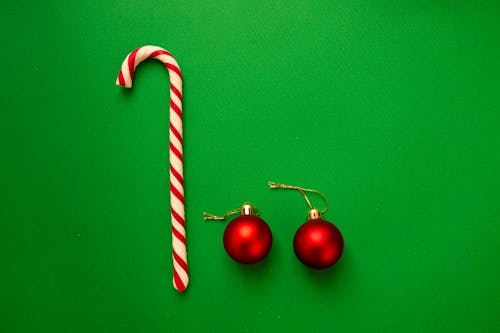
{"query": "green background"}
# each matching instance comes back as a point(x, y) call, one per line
point(391, 108)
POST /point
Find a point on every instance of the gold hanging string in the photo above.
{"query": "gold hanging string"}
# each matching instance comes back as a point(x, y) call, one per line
point(302, 191)
point(211, 217)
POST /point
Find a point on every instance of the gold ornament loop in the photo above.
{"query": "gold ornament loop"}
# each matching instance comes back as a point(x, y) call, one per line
point(302, 191)
point(245, 209)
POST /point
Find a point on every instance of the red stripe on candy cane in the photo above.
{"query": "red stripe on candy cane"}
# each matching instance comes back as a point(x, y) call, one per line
point(125, 77)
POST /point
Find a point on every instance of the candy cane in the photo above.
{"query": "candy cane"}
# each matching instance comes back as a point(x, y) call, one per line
point(124, 79)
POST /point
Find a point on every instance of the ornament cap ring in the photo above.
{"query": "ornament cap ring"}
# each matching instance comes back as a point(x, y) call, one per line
point(247, 209)
point(313, 215)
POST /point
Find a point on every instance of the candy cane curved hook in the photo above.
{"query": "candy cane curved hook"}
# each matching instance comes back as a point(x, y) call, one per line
point(125, 77)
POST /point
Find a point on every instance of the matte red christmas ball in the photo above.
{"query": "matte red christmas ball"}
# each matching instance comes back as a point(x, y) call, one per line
point(318, 244)
point(247, 239)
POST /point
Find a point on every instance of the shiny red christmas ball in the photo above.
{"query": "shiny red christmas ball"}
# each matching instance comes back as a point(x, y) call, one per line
point(247, 239)
point(318, 244)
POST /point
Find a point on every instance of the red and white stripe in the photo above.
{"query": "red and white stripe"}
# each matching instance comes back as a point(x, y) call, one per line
point(124, 79)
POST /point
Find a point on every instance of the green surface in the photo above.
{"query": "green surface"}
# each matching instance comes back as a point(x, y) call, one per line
point(391, 108)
